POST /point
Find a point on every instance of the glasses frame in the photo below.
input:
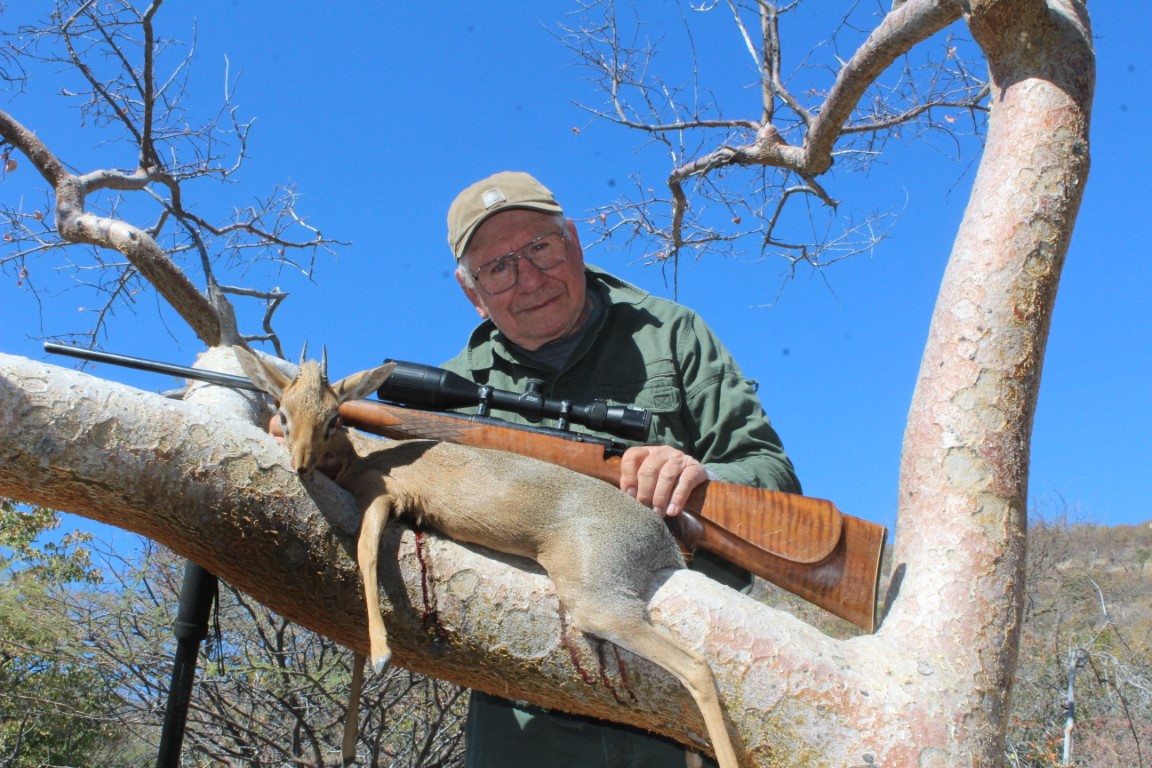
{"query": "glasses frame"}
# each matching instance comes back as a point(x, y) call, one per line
point(521, 253)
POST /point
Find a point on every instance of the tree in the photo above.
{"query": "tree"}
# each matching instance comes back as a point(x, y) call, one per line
point(753, 180)
point(55, 709)
point(87, 665)
point(132, 85)
point(930, 686)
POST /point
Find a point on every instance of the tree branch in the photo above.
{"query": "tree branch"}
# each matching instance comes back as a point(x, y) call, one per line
point(964, 469)
point(904, 27)
point(100, 43)
point(75, 225)
point(218, 490)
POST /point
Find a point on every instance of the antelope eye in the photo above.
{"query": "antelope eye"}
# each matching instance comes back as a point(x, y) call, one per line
point(333, 425)
point(283, 422)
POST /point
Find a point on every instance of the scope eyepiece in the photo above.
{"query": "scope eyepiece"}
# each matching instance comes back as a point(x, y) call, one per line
point(618, 419)
point(426, 386)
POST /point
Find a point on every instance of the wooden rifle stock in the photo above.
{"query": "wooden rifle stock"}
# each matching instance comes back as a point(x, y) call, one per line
point(804, 545)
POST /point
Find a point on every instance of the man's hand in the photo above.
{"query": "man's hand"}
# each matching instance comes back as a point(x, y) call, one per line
point(661, 477)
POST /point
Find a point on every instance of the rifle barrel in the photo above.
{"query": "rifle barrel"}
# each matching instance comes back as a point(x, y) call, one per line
point(152, 366)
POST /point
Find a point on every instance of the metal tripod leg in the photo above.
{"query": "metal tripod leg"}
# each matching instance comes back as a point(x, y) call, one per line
point(191, 628)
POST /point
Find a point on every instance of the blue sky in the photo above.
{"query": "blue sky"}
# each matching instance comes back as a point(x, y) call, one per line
point(380, 112)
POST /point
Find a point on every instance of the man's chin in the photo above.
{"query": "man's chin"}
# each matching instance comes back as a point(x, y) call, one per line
point(537, 340)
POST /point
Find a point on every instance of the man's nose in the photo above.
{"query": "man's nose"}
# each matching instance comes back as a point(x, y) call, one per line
point(528, 275)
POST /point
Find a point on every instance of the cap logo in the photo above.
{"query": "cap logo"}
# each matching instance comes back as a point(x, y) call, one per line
point(492, 197)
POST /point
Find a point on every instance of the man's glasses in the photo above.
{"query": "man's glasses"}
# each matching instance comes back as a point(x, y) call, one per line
point(545, 252)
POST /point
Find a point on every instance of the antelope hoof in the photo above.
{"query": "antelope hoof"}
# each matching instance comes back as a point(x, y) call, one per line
point(379, 662)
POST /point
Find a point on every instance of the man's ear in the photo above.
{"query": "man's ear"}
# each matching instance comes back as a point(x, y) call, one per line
point(573, 241)
point(472, 294)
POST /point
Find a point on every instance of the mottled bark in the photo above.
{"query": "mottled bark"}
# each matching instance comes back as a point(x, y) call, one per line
point(964, 477)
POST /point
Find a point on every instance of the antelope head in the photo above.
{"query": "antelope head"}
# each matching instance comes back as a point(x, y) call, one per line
point(309, 410)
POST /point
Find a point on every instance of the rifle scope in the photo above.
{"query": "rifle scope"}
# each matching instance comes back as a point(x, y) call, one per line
point(430, 387)
point(425, 386)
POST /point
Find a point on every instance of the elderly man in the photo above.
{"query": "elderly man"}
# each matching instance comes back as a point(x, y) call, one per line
point(548, 315)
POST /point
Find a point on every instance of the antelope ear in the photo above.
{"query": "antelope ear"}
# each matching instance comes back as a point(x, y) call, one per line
point(360, 385)
point(264, 375)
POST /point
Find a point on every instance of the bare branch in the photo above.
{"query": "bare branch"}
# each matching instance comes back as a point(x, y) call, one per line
point(906, 26)
point(116, 53)
point(788, 139)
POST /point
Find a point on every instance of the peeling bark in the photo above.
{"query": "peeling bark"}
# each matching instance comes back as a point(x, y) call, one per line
point(223, 495)
point(964, 475)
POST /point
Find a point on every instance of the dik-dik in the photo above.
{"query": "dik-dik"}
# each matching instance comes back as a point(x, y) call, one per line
point(602, 549)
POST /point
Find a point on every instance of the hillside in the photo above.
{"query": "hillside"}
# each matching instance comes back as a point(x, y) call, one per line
point(1089, 619)
point(1089, 604)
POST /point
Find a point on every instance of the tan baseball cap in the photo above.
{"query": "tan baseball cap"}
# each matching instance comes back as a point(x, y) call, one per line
point(499, 192)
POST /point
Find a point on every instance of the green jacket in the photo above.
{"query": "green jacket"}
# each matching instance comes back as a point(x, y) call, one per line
point(651, 353)
point(648, 353)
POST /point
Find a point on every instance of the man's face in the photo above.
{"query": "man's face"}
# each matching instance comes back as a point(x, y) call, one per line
point(543, 305)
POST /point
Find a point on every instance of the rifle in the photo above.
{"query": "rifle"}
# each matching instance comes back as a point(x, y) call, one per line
point(802, 544)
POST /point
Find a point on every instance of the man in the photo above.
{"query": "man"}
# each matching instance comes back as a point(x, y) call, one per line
point(547, 315)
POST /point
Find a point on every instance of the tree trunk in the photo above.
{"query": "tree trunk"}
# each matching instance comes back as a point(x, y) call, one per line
point(961, 534)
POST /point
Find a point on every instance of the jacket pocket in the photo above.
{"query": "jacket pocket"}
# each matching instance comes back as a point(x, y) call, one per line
point(657, 390)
